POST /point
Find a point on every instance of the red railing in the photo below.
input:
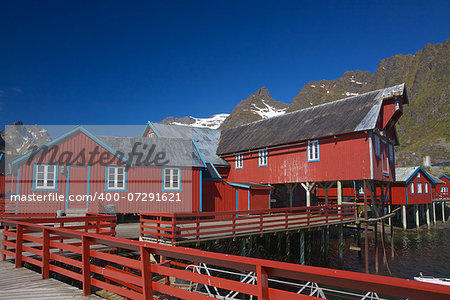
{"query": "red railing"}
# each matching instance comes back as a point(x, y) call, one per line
point(177, 227)
point(138, 278)
point(441, 196)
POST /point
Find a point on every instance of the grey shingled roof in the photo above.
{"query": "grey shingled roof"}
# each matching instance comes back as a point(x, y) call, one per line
point(357, 113)
point(436, 180)
point(179, 152)
point(403, 173)
point(206, 139)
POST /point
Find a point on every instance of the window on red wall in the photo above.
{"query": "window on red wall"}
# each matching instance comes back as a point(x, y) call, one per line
point(412, 187)
point(419, 188)
point(426, 187)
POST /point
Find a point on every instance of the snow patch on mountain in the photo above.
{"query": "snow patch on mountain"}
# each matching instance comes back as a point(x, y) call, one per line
point(212, 122)
point(267, 111)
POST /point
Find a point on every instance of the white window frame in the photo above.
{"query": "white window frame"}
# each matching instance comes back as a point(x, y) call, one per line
point(171, 179)
point(419, 188)
point(45, 176)
point(313, 150)
point(239, 161)
point(377, 145)
point(263, 158)
point(418, 175)
point(444, 189)
point(113, 171)
point(412, 187)
point(426, 187)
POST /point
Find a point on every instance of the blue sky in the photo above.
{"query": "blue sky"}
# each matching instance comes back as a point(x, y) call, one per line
point(120, 62)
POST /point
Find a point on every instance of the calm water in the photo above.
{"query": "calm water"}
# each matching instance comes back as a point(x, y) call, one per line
point(426, 251)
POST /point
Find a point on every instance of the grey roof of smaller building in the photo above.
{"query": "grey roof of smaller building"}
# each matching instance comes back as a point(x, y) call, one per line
point(357, 113)
point(436, 180)
point(403, 173)
point(178, 152)
point(206, 139)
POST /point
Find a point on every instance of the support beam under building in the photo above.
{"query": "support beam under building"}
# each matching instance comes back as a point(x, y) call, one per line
point(308, 186)
point(339, 192)
point(434, 213)
point(404, 217)
point(366, 230)
point(416, 213)
point(302, 247)
point(326, 187)
point(427, 213)
point(443, 211)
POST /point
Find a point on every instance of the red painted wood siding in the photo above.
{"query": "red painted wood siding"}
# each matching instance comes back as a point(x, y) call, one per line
point(345, 157)
point(438, 187)
point(259, 199)
point(2, 184)
point(139, 180)
point(218, 196)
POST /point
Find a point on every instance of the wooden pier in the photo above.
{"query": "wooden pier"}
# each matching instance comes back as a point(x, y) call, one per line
point(180, 228)
point(23, 283)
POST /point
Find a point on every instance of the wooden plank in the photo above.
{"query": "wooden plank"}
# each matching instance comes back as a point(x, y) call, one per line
point(26, 284)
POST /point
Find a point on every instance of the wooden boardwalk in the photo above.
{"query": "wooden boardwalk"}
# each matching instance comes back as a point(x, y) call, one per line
point(22, 283)
point(180, 228)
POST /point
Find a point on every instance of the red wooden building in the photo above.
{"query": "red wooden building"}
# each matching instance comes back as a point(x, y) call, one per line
point(333, 144)
point(414, 185)
point(444, 187)
point(416, 188)
point(131, 173)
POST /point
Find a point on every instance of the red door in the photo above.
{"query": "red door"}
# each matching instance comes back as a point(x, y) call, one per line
point(78, 187)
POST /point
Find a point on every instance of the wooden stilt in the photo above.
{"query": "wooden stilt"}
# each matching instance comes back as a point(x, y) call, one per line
point(302, 247)
point(243, 247)
point(443, 211)
point(327, 243)
point(376, 247)
point(366, 231)
point(339, 191)
point(308, 186)
point(288, 244)
point(434, 213)
point(427, 212)
point(404, 222)
point(341, 245)
point(358, 238)
point(392, 242)
point(416, 210)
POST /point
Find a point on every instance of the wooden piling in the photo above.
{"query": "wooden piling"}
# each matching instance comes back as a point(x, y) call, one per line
point(302, 247)
point(376, 247)
point(366, 231)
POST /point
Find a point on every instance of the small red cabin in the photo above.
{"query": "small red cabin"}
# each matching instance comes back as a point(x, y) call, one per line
point(413, 185)
point(442, 192)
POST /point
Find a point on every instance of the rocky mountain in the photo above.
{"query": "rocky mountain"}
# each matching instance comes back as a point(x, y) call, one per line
point(213, 122)
point(19, 139)
point(424, 127)
point(257, 106)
